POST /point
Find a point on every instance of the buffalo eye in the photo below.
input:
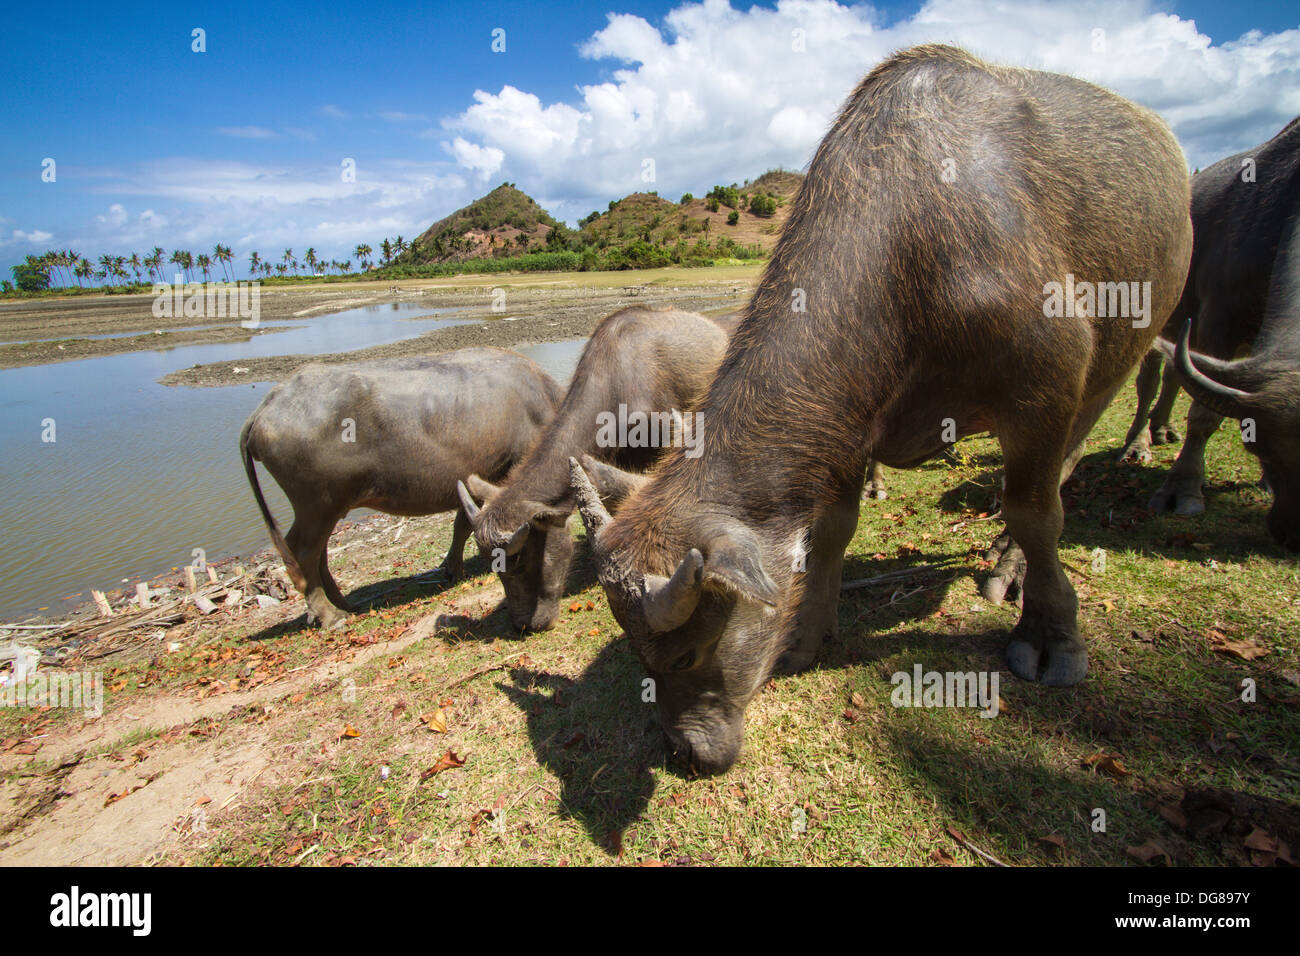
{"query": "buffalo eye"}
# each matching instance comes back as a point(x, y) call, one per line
point(685, 661)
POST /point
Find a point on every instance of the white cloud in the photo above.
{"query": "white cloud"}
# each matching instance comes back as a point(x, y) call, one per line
point(34, 236)
point(719, 93)
point(484, 159)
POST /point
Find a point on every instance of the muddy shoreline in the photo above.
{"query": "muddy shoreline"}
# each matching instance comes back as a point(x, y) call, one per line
point(514, 311)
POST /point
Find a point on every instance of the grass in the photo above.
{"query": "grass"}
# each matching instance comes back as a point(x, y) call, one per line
point(564, 763)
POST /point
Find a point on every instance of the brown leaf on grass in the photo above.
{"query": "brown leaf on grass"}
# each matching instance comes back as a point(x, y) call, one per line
point(1220, 643)
point(856, 700)
point(348, 731)
point(398, 710)
point(1053, 839)
point(1107, 763)
point(27, 749)
point(1149, 851)
point(1266, 849)
point(575, 607)
point(593, 632)
point(850, 715)
point(1173, 815)
point(436, 721)
point(448, 761)
point(644, 863)
point(942, 857)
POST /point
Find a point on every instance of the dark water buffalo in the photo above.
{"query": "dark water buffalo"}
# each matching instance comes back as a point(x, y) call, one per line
point(392, 435)
point(1243, 296)
point(647, 361)
point(940, 222)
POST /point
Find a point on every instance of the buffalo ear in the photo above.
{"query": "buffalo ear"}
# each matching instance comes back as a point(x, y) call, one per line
point(735, 560)
point(546, 516)
point(614, 485)
point(484, 491)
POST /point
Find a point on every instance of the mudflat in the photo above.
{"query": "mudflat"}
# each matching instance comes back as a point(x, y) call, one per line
point(515, 310)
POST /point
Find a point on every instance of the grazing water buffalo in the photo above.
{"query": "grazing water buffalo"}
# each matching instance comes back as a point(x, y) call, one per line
point(638, 362)
point(919, 288)
point(392, 435)
point(1243, 295)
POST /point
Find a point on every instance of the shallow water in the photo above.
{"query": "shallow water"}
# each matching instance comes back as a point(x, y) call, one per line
point(140, 474)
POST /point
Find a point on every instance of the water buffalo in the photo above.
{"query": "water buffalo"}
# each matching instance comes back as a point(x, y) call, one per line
point(643, 361)
point(1243, 295)
point(392, 435)
point(919, 288)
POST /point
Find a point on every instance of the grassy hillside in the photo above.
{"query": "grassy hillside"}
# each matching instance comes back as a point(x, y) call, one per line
point(507, 221)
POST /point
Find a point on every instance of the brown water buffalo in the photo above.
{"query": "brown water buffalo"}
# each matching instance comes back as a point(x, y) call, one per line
point(638, 362)
point(393, 435)
point(939, 272)
point(1243, 298)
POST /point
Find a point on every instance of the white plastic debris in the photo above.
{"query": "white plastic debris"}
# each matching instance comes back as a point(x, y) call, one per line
point(383, 772)
point(25, 660)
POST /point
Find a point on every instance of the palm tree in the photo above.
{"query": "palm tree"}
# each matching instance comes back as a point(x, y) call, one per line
point(223, 255)
point(84, 270)
point(136, 264)
point(205, 264)
point(362, 252)
point(386, 250)
point(288, 258)
point(254, 263)
point(106, 266)
point(310, 259)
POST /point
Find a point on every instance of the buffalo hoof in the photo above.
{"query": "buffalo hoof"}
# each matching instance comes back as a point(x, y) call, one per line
point(1058, 665)
point(1178, 498)
point(1047, 653)
point(1008, 575)
point(1165, 436)
point(452, 572)
point(877, 492)
point(1136, 453)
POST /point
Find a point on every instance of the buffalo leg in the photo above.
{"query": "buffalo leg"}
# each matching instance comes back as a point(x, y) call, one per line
point(1161, 431)
point(876, 481)
point(818, 614)
point(453, 565)
point(1182, 490)
point(1137, 443)
point(306, 540)
point(331, 586)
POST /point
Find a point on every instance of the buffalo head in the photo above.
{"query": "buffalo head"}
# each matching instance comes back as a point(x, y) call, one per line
point(529, 546)
point(707, 633)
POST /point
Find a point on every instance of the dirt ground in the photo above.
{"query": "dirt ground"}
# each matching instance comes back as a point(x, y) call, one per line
point(544, 307)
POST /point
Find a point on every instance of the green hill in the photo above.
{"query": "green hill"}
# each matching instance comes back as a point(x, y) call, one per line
point(505, 222)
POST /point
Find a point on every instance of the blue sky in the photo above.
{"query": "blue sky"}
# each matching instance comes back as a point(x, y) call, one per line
point(242, 144)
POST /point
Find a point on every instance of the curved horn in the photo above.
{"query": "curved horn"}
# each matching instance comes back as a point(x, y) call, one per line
point(668, 603)
point(467, 502)
point(1223, 399)
point(594, 515)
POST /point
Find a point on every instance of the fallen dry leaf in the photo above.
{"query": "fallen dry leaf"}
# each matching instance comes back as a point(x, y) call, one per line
point(448, 761)
point(1220, 643)
point(436, 721)
point(1107, 763)
point(1149, 851)
point(349, 731)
